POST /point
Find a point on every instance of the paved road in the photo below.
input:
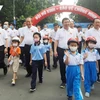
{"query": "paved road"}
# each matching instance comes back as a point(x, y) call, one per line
point(46, 91)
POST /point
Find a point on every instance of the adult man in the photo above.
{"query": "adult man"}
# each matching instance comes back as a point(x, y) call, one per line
point(9, 32)
point(52, 36)
point(95, 31)
point(27, 36)
point(74, 30)
point(61, 39)
point(81, 38)
point(14, 31)
point(3, 50)
point(22, 44)
point(45, 31)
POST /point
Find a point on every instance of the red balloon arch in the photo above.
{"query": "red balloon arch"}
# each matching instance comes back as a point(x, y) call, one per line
point(64, 8)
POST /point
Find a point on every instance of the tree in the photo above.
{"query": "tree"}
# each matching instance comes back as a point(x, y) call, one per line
point(93, 5)
point(24, 9)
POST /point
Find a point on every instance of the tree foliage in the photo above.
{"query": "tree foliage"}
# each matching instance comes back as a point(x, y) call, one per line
point(93, 5)
point(24, 9)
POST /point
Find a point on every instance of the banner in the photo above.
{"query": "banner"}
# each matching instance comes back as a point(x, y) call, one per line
point(64, 8)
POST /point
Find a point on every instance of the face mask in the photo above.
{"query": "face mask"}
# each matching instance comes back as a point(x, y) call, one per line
point(15, 44)
point(11, 27)
point(5, 26)
point(36, 40)
point(91, 45)
point(45, 41)
point(73, 48)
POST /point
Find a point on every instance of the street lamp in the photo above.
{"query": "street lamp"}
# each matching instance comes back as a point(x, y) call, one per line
point(1, 7)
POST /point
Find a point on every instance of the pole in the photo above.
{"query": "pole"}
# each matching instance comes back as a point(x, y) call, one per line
point(14, 18)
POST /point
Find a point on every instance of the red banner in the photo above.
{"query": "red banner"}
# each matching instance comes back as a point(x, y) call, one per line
point(64, 8)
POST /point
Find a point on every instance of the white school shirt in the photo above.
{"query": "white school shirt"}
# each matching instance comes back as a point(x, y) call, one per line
point(92, 56)
point(76, 59)
point(80, 35)
point(28, 34)
point(63, 36)
point(14, 33)
point(3, 36)
point(20, 32)
point(9, 32)
point(96, 34)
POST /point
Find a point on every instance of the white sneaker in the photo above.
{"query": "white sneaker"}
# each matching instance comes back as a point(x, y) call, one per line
point(92, 87)
point(13, 82)
point(87, 94)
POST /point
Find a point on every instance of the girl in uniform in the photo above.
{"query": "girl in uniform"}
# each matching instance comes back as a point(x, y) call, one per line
point(38, 56)
point(47, 46)
point(74, 70)
point(91, 56)
point(14, 58)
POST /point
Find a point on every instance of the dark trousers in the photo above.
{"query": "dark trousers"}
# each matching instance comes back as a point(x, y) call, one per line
point(55, 59)
point(99, 60)
point(48, 59)
point(8, 52)
point(37, 66)
point(2, 55)
point(80, 47)
point(22, 56)
point(62, 65)
point(27, 59)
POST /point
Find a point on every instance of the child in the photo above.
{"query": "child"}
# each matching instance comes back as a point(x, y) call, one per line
point(91, 56)
point(14, 57)
point(38, 53)
point(48, 51)
point(74, 71)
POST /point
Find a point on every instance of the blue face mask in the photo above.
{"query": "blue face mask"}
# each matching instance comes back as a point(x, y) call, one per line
point(11, 27)
point(5, 26)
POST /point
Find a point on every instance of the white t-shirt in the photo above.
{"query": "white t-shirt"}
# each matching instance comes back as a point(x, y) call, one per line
point(74, 31)
point(80, 35)
point(20, 32)
point(28, 34)
point(53, 35)
point(76, 59)
point(63, 36)
point(92, 56)
point(3, 36)
point(9, 32)
point(44, 32)
point(14, 33)
point(96, 34)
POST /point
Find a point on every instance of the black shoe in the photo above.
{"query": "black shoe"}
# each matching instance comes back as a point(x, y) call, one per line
point(5, 70)
point(54, 66)
point(28, 75)
point(40, 82)
point(70, 98)
point(32, 90)
point(62, 85)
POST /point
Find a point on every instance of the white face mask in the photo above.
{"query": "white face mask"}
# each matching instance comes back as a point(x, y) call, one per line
point(45, 41)
point(91, 45)
point(15, 44)
point(73, 48)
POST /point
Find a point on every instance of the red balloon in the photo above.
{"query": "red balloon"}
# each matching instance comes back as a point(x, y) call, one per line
point(64, 8)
